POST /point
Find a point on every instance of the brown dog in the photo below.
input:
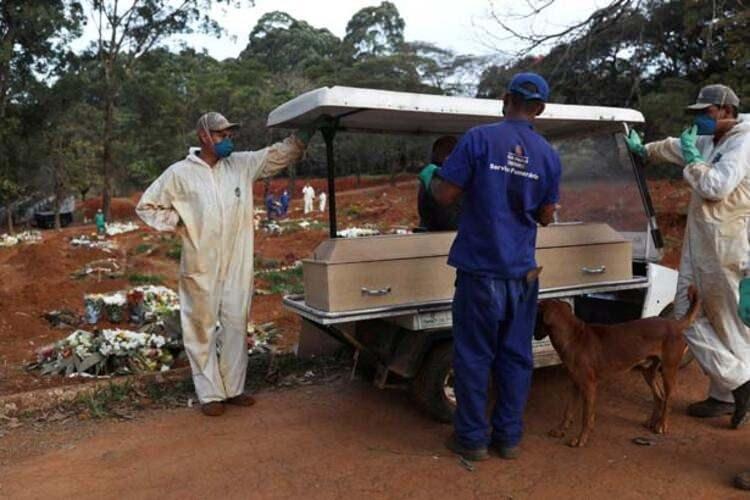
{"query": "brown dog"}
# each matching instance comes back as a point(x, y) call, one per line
point(594, 352)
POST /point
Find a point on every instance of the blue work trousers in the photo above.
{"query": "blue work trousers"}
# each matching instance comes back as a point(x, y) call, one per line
point(493, 324)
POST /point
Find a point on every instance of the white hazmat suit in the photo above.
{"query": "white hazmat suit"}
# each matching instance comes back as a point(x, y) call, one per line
point(308, 194)
point(322, 201)
point(715, 253)
point(212, 209)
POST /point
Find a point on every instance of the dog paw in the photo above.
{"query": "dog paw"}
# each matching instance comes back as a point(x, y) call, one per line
point(576, 443)
point(659, 428)
point(556, 433)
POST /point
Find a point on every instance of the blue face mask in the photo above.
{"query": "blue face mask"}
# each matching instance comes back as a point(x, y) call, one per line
point(706, 125)
point(224, 148)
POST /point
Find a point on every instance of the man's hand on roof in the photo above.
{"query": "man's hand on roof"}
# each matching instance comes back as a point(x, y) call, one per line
point(690, 151)
point(635, 144)
point(306, 133)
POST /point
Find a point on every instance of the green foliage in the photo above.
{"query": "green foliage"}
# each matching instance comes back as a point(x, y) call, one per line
point(145, 279)
point(142, 248)
point(374, 31)
point(285, 282)
point(175, 250)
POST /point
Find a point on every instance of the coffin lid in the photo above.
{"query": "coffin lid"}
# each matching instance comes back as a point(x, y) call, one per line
point(393, 247)
point(369, 110)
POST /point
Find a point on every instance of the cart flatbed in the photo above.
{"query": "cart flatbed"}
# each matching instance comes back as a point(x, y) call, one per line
point(296, 303)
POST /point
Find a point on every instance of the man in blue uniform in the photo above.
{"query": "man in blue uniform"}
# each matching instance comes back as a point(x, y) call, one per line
point(509, 176)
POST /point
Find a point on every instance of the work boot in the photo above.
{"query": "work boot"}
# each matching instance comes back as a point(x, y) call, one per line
point(472, 455)
point(742, 481)
point(741, 404)
point(506, 452)
point(709, 408)
point(213, 409)
point(241, 400)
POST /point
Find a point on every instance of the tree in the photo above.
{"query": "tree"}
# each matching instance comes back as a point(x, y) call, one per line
point(33, 37)
point(283, 43)
point(374, 31)
point(125, 32)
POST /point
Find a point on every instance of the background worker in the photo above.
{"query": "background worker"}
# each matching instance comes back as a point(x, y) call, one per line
point(509, 176)
point(432, 215)
point(715, 154)
point(284, 203)
point(101, 223)
point(322, 198)
point(308, 196)
point(208, 199)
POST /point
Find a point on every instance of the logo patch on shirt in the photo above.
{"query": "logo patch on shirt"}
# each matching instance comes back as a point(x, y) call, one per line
point(237, 192)
point(516, 158)
point(717, 158)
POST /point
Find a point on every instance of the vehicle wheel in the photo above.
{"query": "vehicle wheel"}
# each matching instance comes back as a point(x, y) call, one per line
point(432, 388)
point(687, 356)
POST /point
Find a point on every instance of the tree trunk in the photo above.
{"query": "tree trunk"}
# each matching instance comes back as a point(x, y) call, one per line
point(292, 179)
point(110, 90)
point(9, 211)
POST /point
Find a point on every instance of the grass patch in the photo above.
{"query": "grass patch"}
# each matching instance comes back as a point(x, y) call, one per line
point(145, 279)
point(353, 210)
point(285, 282)
point(175, 250)
point(142, 248)
point(101, 402)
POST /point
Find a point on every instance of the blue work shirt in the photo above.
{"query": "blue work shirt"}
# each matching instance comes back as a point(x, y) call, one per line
point(507, 172)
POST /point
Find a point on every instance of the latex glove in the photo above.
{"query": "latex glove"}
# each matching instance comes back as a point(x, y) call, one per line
point(690, 151)
point(307, 132)
point(744, 306)
point(635, 144)
point(304, 134)
point(427, 173)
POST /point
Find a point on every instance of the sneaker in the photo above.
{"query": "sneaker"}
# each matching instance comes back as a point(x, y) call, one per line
point(506, 452)
point(709, 408)
point(472, 455)
point(741, 405)
point(213, 409)
point(742, 481)
point(241, 400)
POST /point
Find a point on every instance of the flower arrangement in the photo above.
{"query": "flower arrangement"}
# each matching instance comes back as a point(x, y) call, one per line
point(108, 352)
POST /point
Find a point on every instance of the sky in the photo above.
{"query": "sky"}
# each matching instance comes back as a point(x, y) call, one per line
point(459, 25)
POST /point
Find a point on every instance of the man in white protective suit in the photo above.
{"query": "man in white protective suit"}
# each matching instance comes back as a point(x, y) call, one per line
point(207, 198)
point(322, 198)
point(308, 195)
point(715, 153)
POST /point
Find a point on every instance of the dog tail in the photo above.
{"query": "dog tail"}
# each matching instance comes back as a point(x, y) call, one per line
point(695, 307)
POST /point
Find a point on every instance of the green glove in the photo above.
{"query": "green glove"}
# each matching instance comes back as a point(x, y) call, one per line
point(635, 144)
point(690, 151)
point(744, 306)
point(426, 174)
point(304, 134)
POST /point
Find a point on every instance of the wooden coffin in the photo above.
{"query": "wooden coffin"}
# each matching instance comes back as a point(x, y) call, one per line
point(378, 271)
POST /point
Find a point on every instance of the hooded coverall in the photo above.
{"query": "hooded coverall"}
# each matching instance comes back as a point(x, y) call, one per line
point(212, 209)
point(715, 253)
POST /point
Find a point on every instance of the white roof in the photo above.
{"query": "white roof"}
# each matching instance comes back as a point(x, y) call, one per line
point(368, 110)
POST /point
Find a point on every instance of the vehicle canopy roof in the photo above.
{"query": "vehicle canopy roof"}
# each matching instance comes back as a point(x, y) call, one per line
point(368, 110)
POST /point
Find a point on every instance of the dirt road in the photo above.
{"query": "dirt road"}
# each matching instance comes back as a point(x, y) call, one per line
point(349, 440)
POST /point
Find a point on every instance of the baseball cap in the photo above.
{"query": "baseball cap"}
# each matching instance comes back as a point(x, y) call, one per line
point(717, 95)
point(522, 80)
point(215, 122)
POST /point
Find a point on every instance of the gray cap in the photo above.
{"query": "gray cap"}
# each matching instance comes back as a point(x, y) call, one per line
point(215, 122)
point(717, 95)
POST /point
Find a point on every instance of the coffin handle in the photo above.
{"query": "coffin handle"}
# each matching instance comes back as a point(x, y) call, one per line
point(376, 292)
point(594, 270)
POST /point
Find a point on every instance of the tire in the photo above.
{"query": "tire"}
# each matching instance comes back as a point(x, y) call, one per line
point(687, 356)
point(432, 387)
